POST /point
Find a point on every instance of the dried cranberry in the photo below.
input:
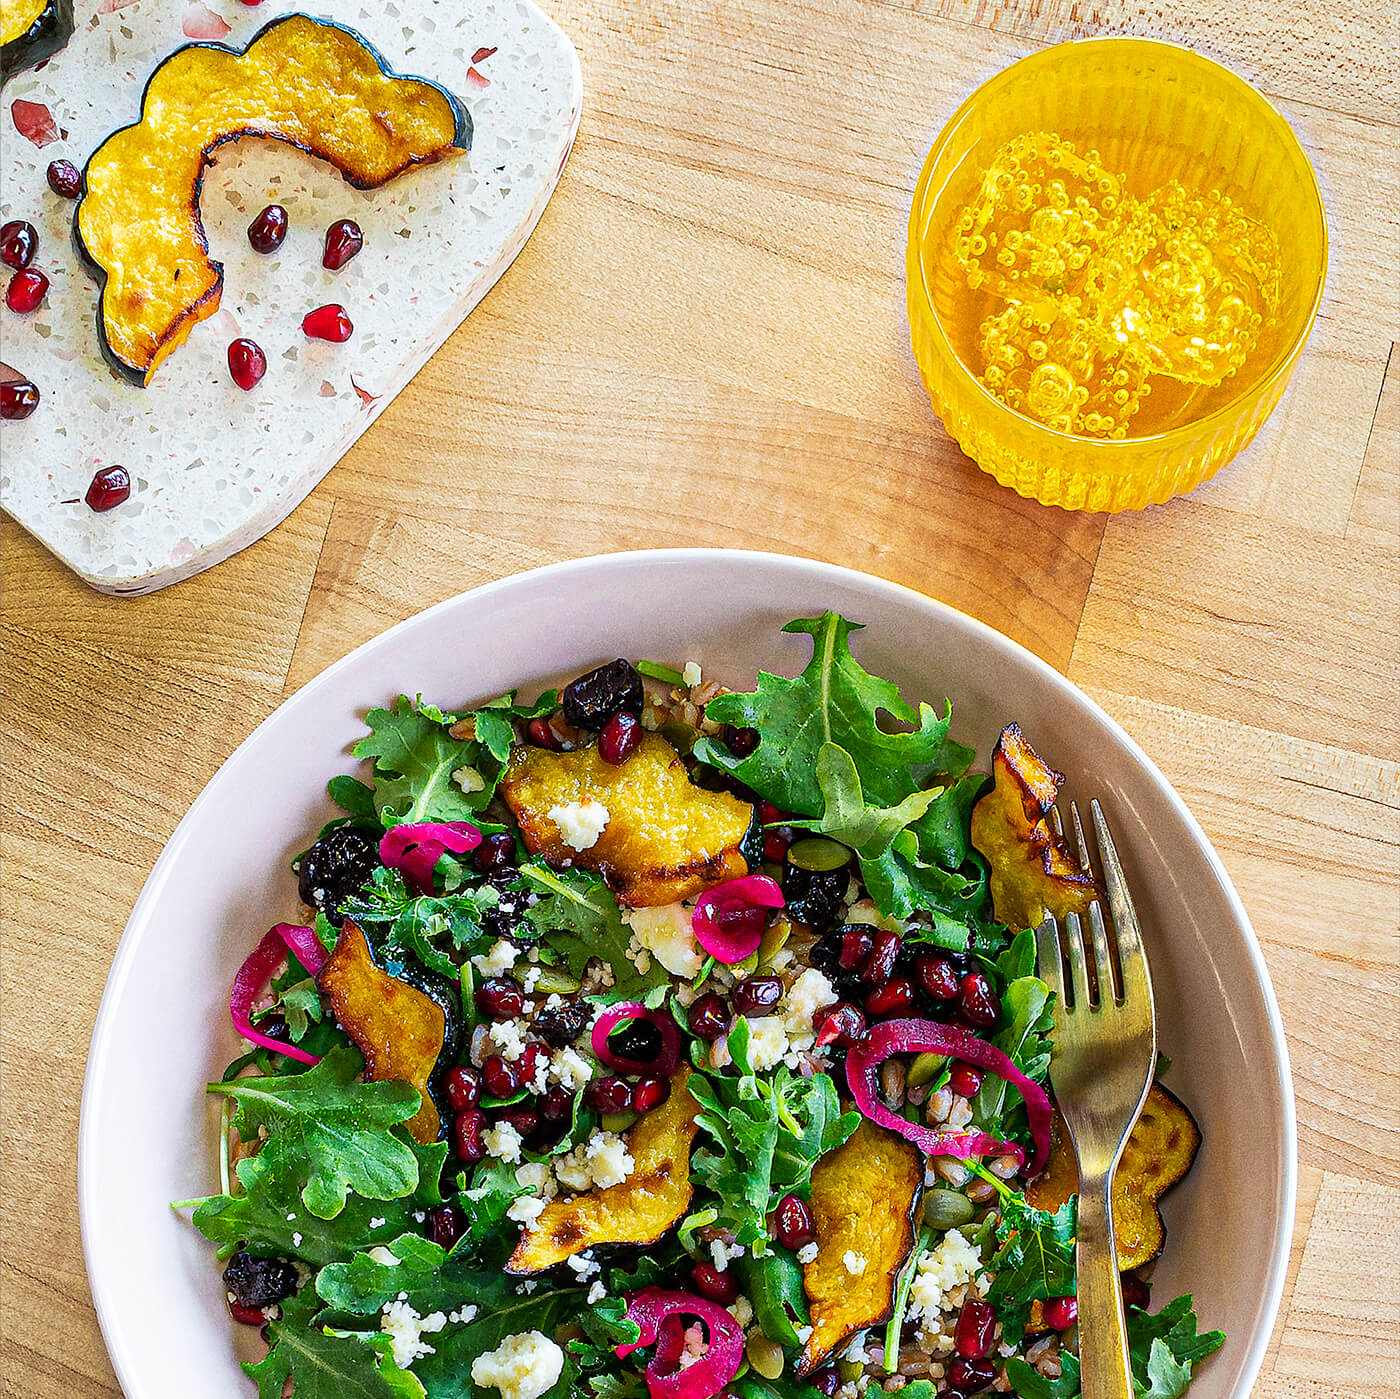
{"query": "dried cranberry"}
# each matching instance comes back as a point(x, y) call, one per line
point(496, 852)
point(500, 997)
point(557, 1105)
point(467, 1135)
point(26, 290)
point(499, 1077)
point(814, 896)
point(524, 1119)
point(592, 699)
point(708, 1017)
point(65, 179)
point(650, 1093)
point(1136, 1292)
point(638, 1040)
point(446, 1224)
point(18, 400)
point(978, 1005)
point(542, 735)
point(462, 1084)
point(976, 1329)
point(826, 1381)
point(856, 941)
point(716, 1286)
point(792, 1222)
point(965, 1080)
point(892, 998)
point(971, 1376)
point(757, 995)
point(335, 868)
point(108, 488)
point(343, 241)
point(328, 323)
point(560, 1025)
point(267, 231)
point(619, 738)
point(842, 1025)
point(879, 966)
point(536, 1052)
point(608, 1094)
point(18, 243)
point(246, 363)
point(938, 976)
point(259, 1282)
point(247, 1316)
point(740, 742)
point(1062, 1312)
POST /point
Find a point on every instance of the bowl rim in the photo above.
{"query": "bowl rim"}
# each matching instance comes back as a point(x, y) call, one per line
point(140, 925)
point(1259, 391)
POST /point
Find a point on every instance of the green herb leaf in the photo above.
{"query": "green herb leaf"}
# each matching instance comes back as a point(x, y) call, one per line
point(414, 759)
point(1029, 1383)
point(419, 924)
point(1164, 1347)
point(350, 794)
point(334, 1125)
point(1035, 1260)
point(433, 1280)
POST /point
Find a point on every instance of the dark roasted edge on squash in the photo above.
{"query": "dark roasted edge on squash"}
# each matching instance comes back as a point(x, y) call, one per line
point(45, 37)
point(461, 140)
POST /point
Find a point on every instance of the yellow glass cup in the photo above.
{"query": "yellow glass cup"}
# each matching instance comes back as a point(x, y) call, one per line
point(1143, 106)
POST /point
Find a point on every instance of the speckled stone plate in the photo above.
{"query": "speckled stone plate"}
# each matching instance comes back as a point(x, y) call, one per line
point(214, 468)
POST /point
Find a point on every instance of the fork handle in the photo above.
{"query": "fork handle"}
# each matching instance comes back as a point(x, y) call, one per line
point(1105, 1371)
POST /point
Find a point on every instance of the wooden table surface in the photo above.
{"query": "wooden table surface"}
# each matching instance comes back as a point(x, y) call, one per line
point(704, 343)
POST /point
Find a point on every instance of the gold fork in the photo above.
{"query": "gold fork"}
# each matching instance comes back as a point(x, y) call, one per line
point(1105, 1051)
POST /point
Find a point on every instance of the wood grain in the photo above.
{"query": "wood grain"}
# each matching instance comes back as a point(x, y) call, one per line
point(704, 343)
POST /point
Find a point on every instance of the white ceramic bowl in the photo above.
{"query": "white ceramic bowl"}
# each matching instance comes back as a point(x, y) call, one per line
point(148, 1132)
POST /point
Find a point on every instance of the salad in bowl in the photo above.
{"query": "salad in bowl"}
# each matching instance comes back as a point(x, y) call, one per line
point(651, 1040)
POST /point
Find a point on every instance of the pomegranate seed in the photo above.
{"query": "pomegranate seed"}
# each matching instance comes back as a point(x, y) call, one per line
point(18, 243)
point(446, 1224)
point(251, 3)
point(740, 742)
point(768, 814)
point(891, 998)
point(879, 966)
point(978, 1005)
point(938, 976)
point(826, 1381)
point(842, 1025)
point(463, 1088)
point(535, 1053)
point(525, 1120)
point(965, 1080)
point(775, 845)
point(18, 400)
point(268, 229)
point(65, 179)
point(976, 1328)
point(619, 738)
point(467, 1135)
point(542, 736)
point(856, 941)
point(26, 290)
point(328, 323)
point(716, 1286)
point(496, 852)
point(1136, 1292)
point(609, 1094)
point(1062, 1312)
point(498, 1077)
point(500, 997)
point(970, 1376)
point(246, 363)
point(557, 1105)
point(792, 1222)
point(650, 1093)
point(757, 995)
point(709, 1017)
point(247, 1316)
point(343, 241)
point(109, 488)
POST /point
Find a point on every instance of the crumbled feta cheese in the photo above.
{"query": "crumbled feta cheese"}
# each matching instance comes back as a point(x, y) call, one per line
point(582, 1265)
point(406, 1329)
point(666, 933)
point(376, 1223)
point(509, 1037)
point(499, 960)
point(720, 1255)
point(503, 1141)
point(535, 1176)
point(804, 1333)
point(768, 1042)
point(580, 823)
point(691, 674)
point(469, 779)
point(811, 992)
point(296, 1240)
point(526, 1209)
point(742, 1310)
point(601, 1161)
point(532, 977)
point(463, 1316)
point(596, 1293)
point(807, 1253)
point(856, 1263)
point(951, 1265)
point(864, 911)
point(523, 1366)
point(570, 1068)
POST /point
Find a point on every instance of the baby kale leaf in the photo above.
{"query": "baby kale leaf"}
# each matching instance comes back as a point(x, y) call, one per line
point(402, 920)
point(434, 1280)
point(414, 759)
point(1029, 1383)
point(1164, 1347)
point(1035, 1260)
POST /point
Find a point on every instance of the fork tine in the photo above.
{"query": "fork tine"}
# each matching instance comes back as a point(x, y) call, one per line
point(1103, 957)
point(1056, 824)
point(1047, 957)
point(1079, 835)
point(1132, 956)
point(1074, 943)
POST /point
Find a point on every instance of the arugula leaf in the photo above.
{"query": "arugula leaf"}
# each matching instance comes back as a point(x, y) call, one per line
point(353, 796)
point(1029, 1383)
point(326, 1366)
point(902, 883)
point(434, 1280)
point(834, 700)
point(414, 759)
point(1028, 1007)
point(493, 1190)
point(942, 831)
point(579, 919)
point(1034, 1262)
point(416, 923)
point(1164, 1347)
point(336, 1126)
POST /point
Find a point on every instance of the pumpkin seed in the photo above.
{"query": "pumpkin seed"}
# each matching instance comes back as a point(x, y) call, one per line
point(556, 979)
point(947, 1209)
point(765, 1356)
point(925, 1068)
point(818, 854)
point(616, 1121)
point(850, 1370)
point(775, 935)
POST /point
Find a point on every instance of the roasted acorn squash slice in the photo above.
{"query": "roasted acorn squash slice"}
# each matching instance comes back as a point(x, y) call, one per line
point(31, 31)
point(638, 1211)
point(308, 82)
point(1158, 1154)
point(1032, 871)
point(666, 839)
point(865, 1199)
point(405, 1029)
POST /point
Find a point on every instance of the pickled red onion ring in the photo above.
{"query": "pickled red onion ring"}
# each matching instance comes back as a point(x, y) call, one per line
point(615, 1015)
point(415, 849)
point(651, 1309)
point(729, 919)
point(257, 970)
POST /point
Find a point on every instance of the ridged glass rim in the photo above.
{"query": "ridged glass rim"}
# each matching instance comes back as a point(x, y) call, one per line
point(1197, 427)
